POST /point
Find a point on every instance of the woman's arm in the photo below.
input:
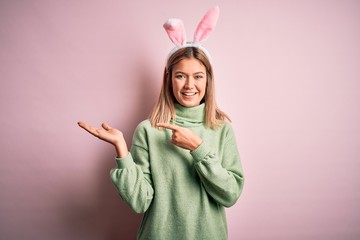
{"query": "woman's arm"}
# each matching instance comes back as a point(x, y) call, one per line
point(222, 178)
point(132, 180)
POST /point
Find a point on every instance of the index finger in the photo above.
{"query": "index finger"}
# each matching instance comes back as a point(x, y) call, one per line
point(89, 128)
point(168, 126)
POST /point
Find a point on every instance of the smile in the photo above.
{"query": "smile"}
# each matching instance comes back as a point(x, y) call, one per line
point(189, 94)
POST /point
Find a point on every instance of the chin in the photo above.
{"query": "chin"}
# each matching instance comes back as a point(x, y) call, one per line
point(189, 104)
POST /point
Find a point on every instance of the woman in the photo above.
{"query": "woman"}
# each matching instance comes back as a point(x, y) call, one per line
point(183, 168)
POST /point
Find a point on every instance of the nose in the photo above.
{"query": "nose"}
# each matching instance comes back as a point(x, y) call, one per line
point(189, 84)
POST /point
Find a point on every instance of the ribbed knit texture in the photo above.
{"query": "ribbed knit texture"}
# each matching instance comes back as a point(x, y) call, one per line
point(182, 193)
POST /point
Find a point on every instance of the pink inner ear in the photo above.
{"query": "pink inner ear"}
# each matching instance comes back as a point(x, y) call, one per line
point(176, 31)
point(207, 24)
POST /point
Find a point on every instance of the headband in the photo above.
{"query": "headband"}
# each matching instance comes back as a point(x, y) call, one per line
point(176, 31)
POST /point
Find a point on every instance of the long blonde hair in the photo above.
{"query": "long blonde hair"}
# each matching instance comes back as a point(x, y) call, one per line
point(164, 109)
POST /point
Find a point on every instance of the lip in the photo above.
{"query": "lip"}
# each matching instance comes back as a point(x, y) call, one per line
point(189, 94)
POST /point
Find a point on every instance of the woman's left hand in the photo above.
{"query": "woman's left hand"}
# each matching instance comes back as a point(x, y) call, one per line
point(182, 137)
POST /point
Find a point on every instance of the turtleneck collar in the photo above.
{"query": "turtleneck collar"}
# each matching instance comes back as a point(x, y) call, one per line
point(190, 116)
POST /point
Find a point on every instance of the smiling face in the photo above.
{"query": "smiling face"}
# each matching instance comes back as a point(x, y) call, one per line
point(189, 82)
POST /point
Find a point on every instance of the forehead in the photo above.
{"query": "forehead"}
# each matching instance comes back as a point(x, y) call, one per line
point(189, 65)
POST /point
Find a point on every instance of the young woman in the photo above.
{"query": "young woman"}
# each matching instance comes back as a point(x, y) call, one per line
point(184, 167)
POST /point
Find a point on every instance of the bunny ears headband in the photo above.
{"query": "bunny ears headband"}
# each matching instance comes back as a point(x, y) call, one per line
point(176, 31)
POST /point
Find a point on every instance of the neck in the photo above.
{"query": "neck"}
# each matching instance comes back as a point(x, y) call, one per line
point(187, 116)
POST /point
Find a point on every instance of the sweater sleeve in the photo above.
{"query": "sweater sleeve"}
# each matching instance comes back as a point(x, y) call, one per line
point(223, 176)
point(132, 179)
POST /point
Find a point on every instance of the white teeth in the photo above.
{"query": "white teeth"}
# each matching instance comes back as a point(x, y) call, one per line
point(189, 94)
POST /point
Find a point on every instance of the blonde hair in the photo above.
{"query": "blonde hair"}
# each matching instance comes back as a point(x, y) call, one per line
point(164, 109)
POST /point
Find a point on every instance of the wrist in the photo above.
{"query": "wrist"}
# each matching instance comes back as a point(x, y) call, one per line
point(197, 143)
point(121, 149)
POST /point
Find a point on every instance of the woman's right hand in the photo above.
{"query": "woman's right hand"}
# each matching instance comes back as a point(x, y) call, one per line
point(110, 135)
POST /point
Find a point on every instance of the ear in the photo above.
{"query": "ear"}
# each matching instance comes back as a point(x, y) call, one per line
point(206, 25)
point(176, 31)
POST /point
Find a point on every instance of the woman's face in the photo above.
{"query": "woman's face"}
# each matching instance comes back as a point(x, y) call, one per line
point(189, 82)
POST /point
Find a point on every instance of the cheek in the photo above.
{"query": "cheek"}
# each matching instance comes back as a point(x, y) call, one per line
point(202, 86)
point(176, 85)
point(175, 89)
point(203, 90)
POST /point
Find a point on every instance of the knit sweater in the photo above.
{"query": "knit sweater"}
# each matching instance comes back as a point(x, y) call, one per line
point(182, 193)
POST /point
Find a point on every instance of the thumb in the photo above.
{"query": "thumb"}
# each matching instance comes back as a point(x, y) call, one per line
point(106, 126)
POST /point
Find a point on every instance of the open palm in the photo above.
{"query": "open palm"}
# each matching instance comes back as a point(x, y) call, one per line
point(108, 134)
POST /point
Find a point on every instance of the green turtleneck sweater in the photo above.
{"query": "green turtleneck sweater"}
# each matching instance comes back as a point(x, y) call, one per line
point(182, 193)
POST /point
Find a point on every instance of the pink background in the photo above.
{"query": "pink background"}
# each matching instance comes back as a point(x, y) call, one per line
point(288, 73)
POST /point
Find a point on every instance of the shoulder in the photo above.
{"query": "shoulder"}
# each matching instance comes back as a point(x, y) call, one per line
point(225, 127)
point(143, 127)
point(145, 124)
point(226, 131)
point(141, 133)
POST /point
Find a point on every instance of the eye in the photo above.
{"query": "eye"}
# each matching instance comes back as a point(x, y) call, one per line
point(199, 76)
point(179, 76)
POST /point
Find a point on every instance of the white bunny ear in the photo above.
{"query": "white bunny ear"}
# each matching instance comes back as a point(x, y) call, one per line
point(176, 31)
point(206, 25)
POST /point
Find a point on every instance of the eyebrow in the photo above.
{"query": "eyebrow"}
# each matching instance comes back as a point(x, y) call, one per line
point(200, 72)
